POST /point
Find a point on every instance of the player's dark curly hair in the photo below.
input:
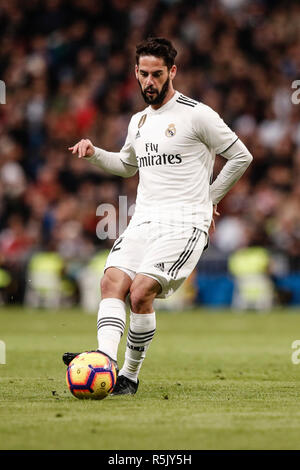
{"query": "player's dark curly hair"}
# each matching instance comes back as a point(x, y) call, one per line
point(158, 47)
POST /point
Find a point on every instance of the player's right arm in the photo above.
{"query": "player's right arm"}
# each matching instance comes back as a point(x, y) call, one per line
point(121, 163)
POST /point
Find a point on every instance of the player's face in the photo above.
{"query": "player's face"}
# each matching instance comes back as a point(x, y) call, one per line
point(154, 78)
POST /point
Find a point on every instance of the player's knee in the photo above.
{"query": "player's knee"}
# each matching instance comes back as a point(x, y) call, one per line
point(114, 284)
point(141, 299)
point(143, 291)
point(138, 303)
point(136, 300)
point(105, 285)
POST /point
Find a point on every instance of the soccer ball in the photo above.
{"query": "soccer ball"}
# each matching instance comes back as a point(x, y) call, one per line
point(91, 375)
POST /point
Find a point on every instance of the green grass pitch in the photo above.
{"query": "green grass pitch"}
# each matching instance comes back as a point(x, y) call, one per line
point(211, 380)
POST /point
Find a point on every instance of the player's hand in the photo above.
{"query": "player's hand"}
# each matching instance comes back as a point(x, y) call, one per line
point(84, 148)
point(212, 227)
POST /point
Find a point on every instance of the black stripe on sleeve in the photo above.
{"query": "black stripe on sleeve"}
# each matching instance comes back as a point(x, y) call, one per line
point(129, 164)
point(189, 100)
point(185, 103)
point(229, 146)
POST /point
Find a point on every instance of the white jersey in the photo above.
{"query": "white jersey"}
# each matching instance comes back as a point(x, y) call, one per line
point(174, 148)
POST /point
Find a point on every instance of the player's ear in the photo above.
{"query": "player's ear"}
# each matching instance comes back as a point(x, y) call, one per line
point(136, 71)
point(172, 72)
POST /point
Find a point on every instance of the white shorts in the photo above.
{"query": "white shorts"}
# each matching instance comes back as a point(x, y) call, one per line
point(167, 253)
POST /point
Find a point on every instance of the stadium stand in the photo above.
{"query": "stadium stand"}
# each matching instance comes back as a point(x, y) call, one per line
point(68, 71)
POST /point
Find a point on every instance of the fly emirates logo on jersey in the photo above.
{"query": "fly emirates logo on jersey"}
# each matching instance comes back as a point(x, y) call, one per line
point(154, 158)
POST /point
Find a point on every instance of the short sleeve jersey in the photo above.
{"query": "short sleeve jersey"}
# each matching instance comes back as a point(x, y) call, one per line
point(174, 148)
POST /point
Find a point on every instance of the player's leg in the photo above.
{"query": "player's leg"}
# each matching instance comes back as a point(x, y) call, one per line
point(142, 328)
point(143, 291)
point(120, 269)
point(115, 283)
point(115, 286)
point(168, 262)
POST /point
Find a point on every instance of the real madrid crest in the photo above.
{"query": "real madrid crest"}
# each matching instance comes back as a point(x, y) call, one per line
point(171, 131)
point(142, 121)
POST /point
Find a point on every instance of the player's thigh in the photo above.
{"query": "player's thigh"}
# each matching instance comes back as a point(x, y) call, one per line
point(172, 257)
point(128, 249)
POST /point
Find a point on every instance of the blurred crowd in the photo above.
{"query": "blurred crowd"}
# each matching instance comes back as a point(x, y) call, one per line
point(68, 66)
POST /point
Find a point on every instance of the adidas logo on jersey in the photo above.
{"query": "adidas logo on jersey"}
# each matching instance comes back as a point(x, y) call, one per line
point(137, 135)
point(160, 266)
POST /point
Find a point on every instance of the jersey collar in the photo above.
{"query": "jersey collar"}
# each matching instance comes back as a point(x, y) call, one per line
point(166, 106)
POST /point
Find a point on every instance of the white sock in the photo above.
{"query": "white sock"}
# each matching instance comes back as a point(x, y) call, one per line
point(140, 334)
point(111, 325)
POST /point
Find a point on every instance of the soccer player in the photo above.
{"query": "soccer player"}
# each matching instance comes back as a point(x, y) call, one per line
point(173, 144)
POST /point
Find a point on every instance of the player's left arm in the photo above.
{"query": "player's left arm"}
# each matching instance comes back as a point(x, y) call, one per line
point(238, 159)
point(220, 139)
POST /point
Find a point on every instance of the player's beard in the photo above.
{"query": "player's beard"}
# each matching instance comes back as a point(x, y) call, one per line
point(158, 97)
